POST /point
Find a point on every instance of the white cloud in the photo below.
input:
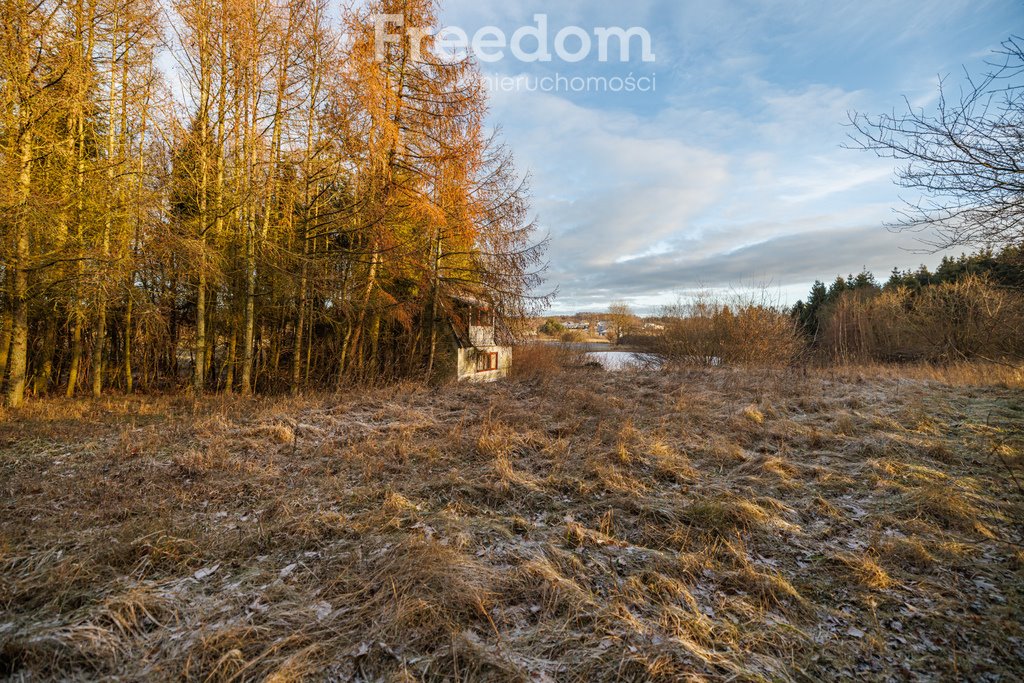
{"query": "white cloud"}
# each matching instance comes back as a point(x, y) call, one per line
point(734, 171)
point(608, 185)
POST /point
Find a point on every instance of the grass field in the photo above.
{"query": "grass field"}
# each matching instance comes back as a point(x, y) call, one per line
point(719, 524)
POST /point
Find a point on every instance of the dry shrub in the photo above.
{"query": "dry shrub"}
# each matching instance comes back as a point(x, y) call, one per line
point(539, 360)
point(953, 321)
point(748, 332)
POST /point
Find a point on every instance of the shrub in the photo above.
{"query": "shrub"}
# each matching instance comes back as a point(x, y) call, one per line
point(967, 319)
point(708, 332)
point(541, 360)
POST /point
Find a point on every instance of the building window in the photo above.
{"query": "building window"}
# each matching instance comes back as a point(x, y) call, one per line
point(482, 317)
point(487, 362)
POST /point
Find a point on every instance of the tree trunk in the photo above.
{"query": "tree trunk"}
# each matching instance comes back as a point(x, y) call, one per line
point(76, 352)
point(5, 343)
point(229, 381)
point(19, 290)
point(99, 337)
point(300, 324)
point(248, 334)
point(128, 380)
point(41, 383)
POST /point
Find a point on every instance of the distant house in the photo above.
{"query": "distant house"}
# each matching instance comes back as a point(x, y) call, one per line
point(472, 353)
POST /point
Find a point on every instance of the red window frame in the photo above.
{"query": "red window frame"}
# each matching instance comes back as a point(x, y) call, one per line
point(487, 362)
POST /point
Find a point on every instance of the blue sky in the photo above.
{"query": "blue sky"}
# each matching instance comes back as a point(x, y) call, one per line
point(731, 173)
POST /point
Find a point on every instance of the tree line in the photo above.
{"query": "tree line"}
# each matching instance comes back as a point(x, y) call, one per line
point(290, 205)
point(969, 307)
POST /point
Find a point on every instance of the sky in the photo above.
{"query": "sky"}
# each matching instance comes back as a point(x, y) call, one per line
point(728, 171)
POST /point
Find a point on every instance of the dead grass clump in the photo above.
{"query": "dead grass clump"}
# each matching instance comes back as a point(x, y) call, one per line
point(60, 648)
point(52, 577)
point(231, 652)
point(614, 478)
point(946, 506)
point(776, 467)
point(579, 536)
point(939, 451)
point(670, 464)
point(137, 610)
point(544, 585)
point(498, 440)
point(723, 453)
point(865, 570)
point(847, 425)
point(279, 434)
point(906, 552)
point(509, 477)
point(767, 586)
point(724, 516)
point(821, 506)
point(754, 414)
point(421, 591)
point(200, 462)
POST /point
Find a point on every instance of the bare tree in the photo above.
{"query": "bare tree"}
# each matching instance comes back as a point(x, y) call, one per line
point(622, 319)
point(966, 159)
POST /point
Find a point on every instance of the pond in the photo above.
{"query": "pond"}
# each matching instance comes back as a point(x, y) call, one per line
point(615, 361)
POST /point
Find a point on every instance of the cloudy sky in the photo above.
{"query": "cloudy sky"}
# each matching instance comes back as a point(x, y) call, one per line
point(731, 172)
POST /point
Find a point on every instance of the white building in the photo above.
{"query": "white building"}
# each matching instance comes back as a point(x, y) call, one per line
point(477, 354)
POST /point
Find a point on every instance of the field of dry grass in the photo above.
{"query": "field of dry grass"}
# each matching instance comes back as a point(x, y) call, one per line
point(706, 525)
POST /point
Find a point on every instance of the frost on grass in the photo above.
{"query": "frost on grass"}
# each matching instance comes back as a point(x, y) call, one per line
point(643, 526)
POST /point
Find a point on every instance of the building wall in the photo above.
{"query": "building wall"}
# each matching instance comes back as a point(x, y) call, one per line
point(481, 337)
point(467, 371)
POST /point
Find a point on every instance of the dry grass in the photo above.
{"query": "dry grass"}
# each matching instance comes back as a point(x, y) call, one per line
point(706, 525)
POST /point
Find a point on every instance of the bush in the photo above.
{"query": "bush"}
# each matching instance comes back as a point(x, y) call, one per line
point(967, 319)
point(543, 360)
point(712, 333)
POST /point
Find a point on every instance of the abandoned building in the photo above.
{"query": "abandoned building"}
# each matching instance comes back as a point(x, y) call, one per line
point(472, 352)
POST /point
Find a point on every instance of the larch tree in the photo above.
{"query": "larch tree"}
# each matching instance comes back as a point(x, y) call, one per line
point(285, 209)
